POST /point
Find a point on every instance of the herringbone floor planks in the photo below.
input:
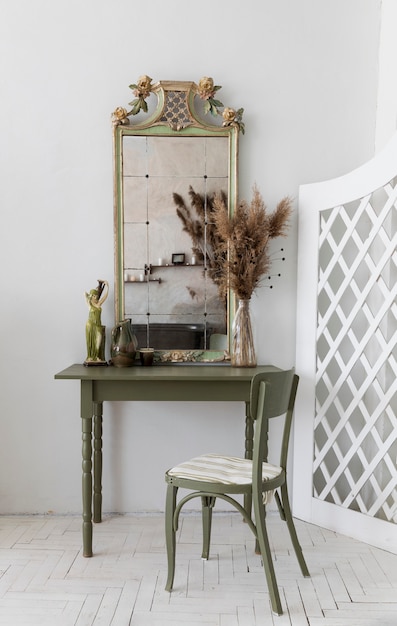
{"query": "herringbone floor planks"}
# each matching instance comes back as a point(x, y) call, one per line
point(44, 579)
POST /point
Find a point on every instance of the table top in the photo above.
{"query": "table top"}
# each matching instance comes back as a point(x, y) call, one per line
point(161, 373)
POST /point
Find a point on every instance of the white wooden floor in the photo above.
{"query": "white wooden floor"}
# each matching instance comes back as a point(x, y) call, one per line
point(44, 579)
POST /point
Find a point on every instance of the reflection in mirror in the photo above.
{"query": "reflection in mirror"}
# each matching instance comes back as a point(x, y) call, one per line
point(166, 179)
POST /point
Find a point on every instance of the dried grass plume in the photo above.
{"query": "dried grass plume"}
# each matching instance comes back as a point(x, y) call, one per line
point(244, 238)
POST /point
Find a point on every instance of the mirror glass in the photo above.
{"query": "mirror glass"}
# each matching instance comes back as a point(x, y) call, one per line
point(167, 171)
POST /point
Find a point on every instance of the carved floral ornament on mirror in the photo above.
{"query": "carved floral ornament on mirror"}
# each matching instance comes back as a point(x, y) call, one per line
point(206, 90)
point(175, 190)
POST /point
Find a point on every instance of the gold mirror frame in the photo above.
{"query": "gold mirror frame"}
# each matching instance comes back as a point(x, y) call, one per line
point(174, 116)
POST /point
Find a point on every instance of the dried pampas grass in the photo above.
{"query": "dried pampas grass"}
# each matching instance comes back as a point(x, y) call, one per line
point(198, 221)
point(243, 241)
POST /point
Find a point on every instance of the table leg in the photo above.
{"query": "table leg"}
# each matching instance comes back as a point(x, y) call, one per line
point(86, 424)
point(97, 502)
point(249, 446)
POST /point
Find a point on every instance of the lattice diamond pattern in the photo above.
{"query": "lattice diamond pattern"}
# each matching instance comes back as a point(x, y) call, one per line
point(355, 454)
point(176, 112)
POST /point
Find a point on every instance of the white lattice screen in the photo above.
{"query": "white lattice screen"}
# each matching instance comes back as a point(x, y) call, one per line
point(355, 429)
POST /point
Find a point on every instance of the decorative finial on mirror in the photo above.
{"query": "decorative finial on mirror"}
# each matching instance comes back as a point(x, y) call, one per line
point(206, 90)
point(141, 91)
point(233, 118)
point(120, 116)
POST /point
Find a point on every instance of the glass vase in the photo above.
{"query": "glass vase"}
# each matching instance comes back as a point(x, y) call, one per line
point(243, 349)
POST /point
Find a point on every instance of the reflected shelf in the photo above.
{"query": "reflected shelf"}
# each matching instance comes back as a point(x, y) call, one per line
point(175, 265)
point(142, 282)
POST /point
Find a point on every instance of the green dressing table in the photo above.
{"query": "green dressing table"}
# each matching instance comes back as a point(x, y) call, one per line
point(157, 383)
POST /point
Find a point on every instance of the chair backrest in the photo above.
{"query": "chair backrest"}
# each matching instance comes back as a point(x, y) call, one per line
point(272, 394)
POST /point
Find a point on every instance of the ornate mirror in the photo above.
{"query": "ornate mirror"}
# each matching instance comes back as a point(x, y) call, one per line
point(169, 164)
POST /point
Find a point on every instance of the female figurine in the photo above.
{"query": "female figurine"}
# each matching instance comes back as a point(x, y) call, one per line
point(94, 331)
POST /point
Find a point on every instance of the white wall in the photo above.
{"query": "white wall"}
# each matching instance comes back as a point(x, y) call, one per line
point(386, 117)
point(306, 74)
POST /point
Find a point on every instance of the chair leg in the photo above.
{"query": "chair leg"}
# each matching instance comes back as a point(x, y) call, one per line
point(263, 541)
point(292, 530)
point(170, 506)
point(207, 504)
point(279, 505)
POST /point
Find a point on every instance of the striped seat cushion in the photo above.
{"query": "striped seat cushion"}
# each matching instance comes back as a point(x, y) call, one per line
point(227, 470)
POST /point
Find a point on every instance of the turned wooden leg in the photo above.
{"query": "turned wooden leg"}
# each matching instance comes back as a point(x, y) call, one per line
point(97, 501)
point(86, 425)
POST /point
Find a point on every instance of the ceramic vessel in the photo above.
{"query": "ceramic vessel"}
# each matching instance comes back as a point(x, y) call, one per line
point(146, 356)
point(124, 344)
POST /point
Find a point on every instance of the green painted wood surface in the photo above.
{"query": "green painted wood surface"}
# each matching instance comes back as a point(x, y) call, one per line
point(168, 382)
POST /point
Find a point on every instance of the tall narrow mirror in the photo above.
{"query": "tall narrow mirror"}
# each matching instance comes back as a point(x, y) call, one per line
point(169, 164)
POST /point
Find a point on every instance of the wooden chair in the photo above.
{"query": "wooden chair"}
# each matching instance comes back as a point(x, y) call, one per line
point(215, 476)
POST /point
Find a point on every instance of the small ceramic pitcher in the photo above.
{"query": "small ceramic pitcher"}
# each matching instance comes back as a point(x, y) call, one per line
point(124, 344)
